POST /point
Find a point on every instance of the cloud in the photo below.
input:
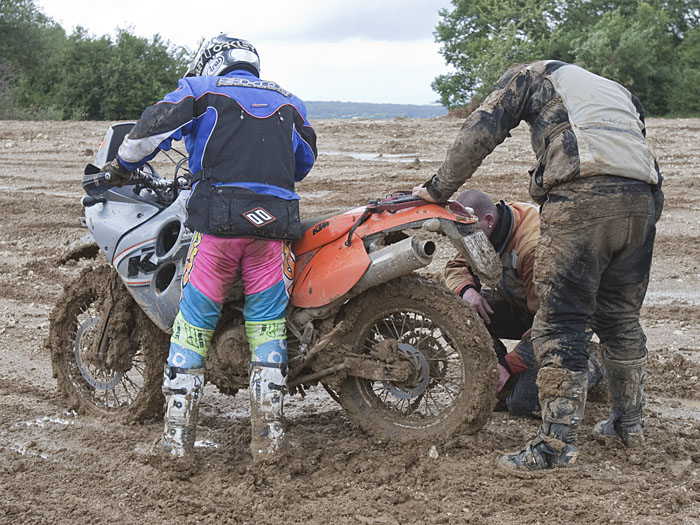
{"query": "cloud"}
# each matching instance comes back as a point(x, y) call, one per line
point(359, 50)
point(384, 20)
point(354, 70)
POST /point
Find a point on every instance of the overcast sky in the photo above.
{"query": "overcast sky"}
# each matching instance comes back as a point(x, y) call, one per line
point(347, 50)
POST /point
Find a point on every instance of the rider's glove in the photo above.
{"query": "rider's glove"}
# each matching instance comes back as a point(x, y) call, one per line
point(431, 193)
point(118, 174)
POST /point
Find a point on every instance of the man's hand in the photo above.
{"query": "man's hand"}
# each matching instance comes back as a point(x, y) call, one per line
point(422, 192)
point(481, 305)
point(118, 174)
point(503, 376)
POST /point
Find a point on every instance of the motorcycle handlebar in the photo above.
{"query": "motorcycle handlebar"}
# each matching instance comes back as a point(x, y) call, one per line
point(96, 182)
point(149, 180)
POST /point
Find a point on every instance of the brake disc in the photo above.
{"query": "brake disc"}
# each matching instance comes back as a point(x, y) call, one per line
point(416, 384)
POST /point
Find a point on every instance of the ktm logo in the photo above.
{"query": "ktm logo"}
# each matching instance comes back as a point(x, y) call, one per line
point(320, 226)
point(259, 217)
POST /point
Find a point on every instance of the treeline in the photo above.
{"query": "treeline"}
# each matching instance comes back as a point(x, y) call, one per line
point(651, 47)
point(323, 110)
point(47, 74)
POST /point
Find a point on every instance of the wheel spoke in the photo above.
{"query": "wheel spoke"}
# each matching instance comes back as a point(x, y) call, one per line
point(440, 390)
point(426, 336)
point(391, 328)
point(104, 388)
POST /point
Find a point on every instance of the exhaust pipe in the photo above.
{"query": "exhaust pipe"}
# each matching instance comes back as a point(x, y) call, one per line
point(386, 263)
point(396, 260)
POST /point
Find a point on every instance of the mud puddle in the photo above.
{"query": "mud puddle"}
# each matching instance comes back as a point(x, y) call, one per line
point(677, 407)
point(400, 158)
point(666, 297)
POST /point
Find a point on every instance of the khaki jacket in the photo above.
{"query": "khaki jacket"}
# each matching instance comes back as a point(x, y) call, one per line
point(581, 125)
point(517, 258)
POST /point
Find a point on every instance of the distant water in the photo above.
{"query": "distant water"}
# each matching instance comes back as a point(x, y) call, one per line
point(330, 109)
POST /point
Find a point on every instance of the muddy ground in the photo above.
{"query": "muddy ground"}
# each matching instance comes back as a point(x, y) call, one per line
point(60, 467)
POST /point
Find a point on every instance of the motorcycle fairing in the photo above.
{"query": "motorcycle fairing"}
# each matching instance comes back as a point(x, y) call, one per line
point(108, 222)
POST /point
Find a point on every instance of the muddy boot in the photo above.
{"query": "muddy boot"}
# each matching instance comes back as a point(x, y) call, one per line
point(268, 384)
point(626, 383)
point(562, 396)
point(183, 391)
point(597, 382)
point(596, 372)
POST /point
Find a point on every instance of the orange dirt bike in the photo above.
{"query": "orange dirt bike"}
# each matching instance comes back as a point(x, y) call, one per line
point(406, 358)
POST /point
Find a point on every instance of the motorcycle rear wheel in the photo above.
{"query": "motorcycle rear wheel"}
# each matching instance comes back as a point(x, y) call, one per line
point(120, 378)
point(453, 385)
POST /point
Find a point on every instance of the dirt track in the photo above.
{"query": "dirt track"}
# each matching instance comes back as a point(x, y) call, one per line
point(59, 467)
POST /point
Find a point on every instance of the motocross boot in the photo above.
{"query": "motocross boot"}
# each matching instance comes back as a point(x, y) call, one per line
point(562, 395)
point(182, 390)
point(268, 385)
point(626, 384)
point(597, 382)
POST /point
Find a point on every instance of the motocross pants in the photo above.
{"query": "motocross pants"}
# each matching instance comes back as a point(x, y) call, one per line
point(592, 270)
point(213, 266)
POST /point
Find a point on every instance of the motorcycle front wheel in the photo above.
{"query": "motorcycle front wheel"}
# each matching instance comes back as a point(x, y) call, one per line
point(453, 381)
point(106, 355)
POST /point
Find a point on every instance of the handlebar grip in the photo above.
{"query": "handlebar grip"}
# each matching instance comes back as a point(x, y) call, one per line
point(89, 200)
point(96, 183)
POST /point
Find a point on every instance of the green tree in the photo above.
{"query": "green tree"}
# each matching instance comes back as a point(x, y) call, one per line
point(650, 47)
point(115, 80)
point(44, 73)
point(481, 38)
point(685, 91)
point(635, 50)
point(29, 42)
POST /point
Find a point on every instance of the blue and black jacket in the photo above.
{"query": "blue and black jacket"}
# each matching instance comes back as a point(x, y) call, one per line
point(248, 141)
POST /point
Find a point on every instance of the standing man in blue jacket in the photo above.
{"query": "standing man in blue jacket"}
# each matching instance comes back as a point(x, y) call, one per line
point(248, 142)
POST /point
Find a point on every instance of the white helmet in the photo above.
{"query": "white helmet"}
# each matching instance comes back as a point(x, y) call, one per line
point(224, 53)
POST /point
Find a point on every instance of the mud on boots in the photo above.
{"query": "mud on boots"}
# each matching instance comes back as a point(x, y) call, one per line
point(562, 395)
point(626, 384)
point(183, 391)
point(268, 386)
point(183, 383)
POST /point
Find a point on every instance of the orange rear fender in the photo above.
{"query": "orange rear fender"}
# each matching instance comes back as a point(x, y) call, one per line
point(327, 268)
point(328, 273)
point(386, 220)
point(327, 230)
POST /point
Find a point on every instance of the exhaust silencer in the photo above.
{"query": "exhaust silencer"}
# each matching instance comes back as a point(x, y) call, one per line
point(396, 260)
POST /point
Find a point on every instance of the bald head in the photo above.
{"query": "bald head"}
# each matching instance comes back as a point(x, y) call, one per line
point(483, 207)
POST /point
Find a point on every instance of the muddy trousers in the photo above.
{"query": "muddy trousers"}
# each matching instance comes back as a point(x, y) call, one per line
point(592, 269)
point(214, 264)
point(523, 398)
point(508, 321)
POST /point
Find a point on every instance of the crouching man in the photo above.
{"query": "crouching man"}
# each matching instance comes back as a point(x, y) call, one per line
point(508, 310)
